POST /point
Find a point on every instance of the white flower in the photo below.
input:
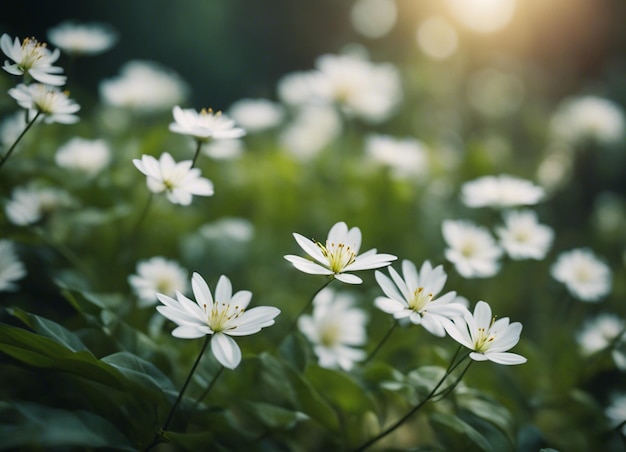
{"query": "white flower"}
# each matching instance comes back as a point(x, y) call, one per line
point(406, 157)
point(32, 58)
point(204, 125)
point(11, 269)
point(415, 296)
point(585, 276)
point(616, 411)
point(340, 254)
point(53, 104)
point(88, 156)
point(145, 87)
point(500, 191)
point(158, 275)
point(228, 229)
point(222, 317)
point(30, 204)
point(82, 39)
point(522, 237)
point(313, 128)
point(472, 249)
point(334, 328)
point(223, 149)
point(488, 338)
point(588, 118)
point(178, 180)
point(11, 127)
point(256, 115)
point(600, 333)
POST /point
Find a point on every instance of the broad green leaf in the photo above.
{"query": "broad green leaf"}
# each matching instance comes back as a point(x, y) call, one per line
point(44, 427)
point(273, 416)
point(488, 410)
point(455, 434)
point(139, 371)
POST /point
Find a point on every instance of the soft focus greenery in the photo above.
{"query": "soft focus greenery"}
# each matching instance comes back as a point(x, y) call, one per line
point(83, 368)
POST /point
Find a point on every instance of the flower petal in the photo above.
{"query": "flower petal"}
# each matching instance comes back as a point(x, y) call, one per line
point(225, 350)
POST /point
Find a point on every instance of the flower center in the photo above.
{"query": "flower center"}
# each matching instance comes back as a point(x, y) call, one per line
point(420, 300)
point(485, 338)
point(583, 274)
point(521, 235)
point(339, 255)
point(329, 336)
point(31, 52)
point(220, 316)
point(468, 249)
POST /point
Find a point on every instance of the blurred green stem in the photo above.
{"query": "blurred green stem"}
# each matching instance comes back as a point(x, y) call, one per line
point(195, 156)
point(453, 365)
point(29, 124)
point(140, 220)
point(209, 387)
point(382, 342)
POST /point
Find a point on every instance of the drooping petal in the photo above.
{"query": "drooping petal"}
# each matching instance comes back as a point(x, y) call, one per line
point(389, 305)
point(307, 266)
point(348, 279)
point(507, 359)
point(225, 350)
point(478, 356)
point(190, 332)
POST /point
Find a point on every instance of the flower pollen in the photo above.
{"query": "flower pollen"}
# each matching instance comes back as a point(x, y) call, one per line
point(420, 300)
point(220, 316)
point(339, 255)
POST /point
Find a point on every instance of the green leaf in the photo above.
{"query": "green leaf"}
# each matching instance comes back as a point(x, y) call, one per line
point(273, 416)
point(489, 410)
point(455, 434)
point(139, 371)
point(39, 351)
point(41, 426)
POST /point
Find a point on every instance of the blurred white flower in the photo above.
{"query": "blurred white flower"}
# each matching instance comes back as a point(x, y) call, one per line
point(314, 128)
point(437, 38)
point(179, 180)
point(406, 157)
point(30, 204)
point(230, 229)
point(53, 104)
point(82, 39)
point(600, 333)
point(256, 115)
point(585, 276)
point(222, 317)
point(158, 275)
point(340, 254)
point(11, 127)
point(415, 296)
point(487, 337)
point(334, 328)
point(616, 411)
point(299, 88)
point(204, 125)
point(11, 268)
point(500, 191)
point(87, 156)
point(588, 118)
point(32, 58)
point(522, 237)
point(471, 248)
point(223, 149)
point(145, 87)
point(373, 18)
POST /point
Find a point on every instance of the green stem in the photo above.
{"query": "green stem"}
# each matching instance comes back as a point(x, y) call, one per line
point(140, 220)
point(6, 156)
point(294, 323)
point(381, 343)
point(449, 389)
point(208, 389)
point(415, 409)
point(195, 156)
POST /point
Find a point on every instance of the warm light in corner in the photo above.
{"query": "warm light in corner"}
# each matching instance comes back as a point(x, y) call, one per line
point(484, 16)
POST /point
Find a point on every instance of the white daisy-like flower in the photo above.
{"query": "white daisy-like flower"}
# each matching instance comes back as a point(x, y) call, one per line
point(222, 317)
point(82, 39)
point(87, 156)
point(415, 296)
point(500, 191)
point(522, 237)
point(256, 115)
point(471, 248)
point(28, 205)
point(406, 157)
point(11, 268)
point(179, 180)
point(158, 275)
point(32, 58)
point(313, 128)
point(335, 328)
point(339, 255)
point(204, 125)
point(144, 87)
point(600, 333)
point(588, 118)
point(488, 338)
point(616, 411)
point(585, 276)
point(49, 101)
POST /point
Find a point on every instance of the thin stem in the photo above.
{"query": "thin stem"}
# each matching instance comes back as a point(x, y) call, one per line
point(294, 323)
point(195, 156)
point(142, 217)
point(381, 343)
point(449, 389)
point(208, 389)
point(415, 409)
point(6, 156)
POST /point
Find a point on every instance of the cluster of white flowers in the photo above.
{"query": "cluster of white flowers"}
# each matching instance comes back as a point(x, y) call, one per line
point(87, 156)
point(30, 204)
point(406, 158)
